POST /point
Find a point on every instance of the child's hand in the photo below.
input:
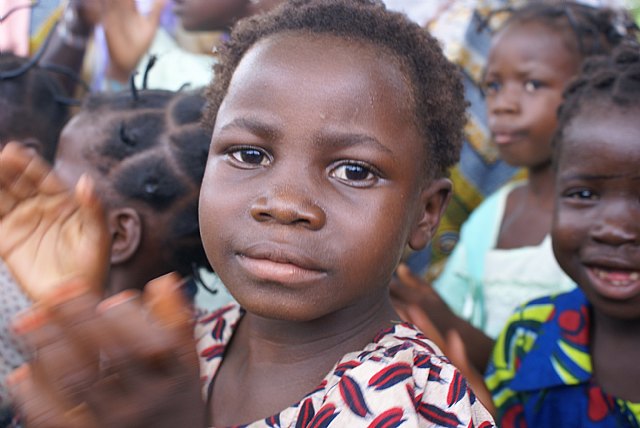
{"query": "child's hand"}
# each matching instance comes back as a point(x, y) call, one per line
point(418, 303)
point(148, 375)
point(49, 234)
point(129, 34)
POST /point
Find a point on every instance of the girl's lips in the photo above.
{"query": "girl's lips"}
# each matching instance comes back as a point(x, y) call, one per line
point(275, 271)
point(505, 137)
point(612, 283)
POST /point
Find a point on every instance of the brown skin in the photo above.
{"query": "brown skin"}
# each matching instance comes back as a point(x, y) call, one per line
point(135, 257)
point(291, 236)
point(218, 15)
point(318, 200)
point(40, 216)
point(527, 70)
point(596, 236)
point(57, 245)
point(148, 355)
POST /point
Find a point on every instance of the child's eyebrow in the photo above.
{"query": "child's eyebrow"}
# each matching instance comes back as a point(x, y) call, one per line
point(256, 127)
point(596, 177)
point(340, 140)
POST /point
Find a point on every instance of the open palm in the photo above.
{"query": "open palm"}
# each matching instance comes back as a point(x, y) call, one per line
point(48, 234)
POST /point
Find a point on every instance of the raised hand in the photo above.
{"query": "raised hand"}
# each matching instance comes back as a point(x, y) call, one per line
point(49, 234)
point(148, 368)
point(129, 33)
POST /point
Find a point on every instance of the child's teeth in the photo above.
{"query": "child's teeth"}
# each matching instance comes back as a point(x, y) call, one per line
point(617, 278)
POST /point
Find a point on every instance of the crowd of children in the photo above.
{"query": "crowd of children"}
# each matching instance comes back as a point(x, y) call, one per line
point(301, 177)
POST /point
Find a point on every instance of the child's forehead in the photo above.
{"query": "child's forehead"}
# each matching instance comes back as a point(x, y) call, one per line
point(307, 60)
point(598, 130)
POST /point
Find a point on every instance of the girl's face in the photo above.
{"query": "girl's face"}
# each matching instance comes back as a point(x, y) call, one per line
point(596, 228)
point(209, 15)
point(527, 70)
point(315, 177)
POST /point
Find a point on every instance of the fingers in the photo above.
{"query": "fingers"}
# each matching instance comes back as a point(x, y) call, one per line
point(408, 278)
point(131, 342)
point(457, 353)
point(166, 301)
point(420, 319)
point(23, 173)
point(156, 11)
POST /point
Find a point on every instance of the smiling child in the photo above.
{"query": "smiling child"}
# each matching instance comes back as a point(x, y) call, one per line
point(571, 359)
point(334, 123)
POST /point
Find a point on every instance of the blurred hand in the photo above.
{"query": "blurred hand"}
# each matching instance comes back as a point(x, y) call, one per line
point(49, 233)
point(129, 34)
point(128, 361)
point(412, 298)
point(89, 12)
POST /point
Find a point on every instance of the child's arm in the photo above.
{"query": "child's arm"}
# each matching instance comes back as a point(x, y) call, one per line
point(49, 234)
point(410, 290)
point(148, 376)
point(129, 34)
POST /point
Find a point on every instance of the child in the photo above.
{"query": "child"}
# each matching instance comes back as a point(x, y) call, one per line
point(571, 359)
point(335, 123)
point(146, 152)
point(504, 256)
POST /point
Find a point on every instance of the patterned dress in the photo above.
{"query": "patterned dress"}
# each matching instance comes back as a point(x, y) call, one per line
point(398, 380)
point(541, 371)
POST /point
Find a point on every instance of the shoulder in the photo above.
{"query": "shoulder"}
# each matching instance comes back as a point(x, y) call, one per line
point(403, 375)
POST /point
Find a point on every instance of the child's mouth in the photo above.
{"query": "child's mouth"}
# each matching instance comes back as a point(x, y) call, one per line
point(280, 271)
point(615, 283)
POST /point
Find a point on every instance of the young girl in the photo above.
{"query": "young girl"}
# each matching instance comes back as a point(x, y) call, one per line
point(320, 172)
point(504, 256)
point(571, 359)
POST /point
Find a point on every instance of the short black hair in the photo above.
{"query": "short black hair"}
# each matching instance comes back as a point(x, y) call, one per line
point(613, 80)
point(155, 153)
point(435, 83)
point(33, 95)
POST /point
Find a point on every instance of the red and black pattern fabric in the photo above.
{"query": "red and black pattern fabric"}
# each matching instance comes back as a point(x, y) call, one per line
point(399, 380)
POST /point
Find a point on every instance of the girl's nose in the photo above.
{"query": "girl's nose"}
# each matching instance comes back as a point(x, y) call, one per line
point(289, 205)
point(618, 224)
point(506, 100)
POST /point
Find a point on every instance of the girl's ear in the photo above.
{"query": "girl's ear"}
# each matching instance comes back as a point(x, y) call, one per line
point(125, 227)
point(433, 201)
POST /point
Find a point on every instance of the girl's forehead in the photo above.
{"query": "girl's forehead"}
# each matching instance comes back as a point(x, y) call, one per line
point(310, 60)
point(600, 131)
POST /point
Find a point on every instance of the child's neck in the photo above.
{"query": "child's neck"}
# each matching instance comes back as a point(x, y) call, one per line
point(272, 363)
point(528, 211)
point(615, 349)
point(540, 185)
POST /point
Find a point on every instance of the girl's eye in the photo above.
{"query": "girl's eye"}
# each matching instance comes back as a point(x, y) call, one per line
point(532, 85)
point(582, 194)
point(250, 156)
point(490, 87)
point(355, 174)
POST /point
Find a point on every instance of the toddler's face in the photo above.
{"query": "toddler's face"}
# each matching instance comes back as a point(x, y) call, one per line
point(596, 229)
point(314, 176)
point(527, 70)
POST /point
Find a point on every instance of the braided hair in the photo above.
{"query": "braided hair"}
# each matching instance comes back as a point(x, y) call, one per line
point(30, 105)
point(435, 84)
point(613, 79)
point(154, 155)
